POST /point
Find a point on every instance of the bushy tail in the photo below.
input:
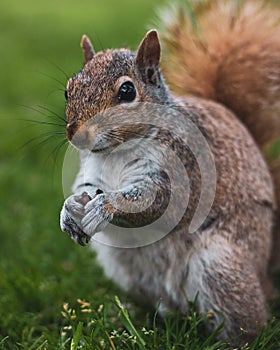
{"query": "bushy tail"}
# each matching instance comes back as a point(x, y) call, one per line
point(229, 51)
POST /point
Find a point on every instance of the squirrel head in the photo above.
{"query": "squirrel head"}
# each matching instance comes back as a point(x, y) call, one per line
point(114, 78)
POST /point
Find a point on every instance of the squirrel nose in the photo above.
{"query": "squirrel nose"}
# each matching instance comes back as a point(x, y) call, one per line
point(77, 134)
point(70, 130)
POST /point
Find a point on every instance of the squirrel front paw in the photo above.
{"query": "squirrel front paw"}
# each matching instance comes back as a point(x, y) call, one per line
point(71, 216)
point(98, 212)
point(84, 215)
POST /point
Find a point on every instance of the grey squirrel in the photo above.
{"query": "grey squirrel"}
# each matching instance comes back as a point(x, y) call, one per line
point(225, 71)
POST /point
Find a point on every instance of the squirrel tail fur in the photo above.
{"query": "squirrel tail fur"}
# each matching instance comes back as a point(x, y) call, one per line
point(229, 52)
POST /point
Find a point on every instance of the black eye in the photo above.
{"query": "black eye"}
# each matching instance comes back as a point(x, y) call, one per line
point(66, 95)
point(127, 92)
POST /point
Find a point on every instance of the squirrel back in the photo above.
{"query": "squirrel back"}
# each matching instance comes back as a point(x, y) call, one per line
point(228, 51)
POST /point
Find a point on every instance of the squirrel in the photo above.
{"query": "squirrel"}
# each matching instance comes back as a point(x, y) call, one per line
point(224, 71)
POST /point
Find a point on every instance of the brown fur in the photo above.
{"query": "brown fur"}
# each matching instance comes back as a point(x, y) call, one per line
point(231, 55)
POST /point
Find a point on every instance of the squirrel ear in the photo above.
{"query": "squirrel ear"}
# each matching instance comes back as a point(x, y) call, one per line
point(148, 55)
point(87, 48)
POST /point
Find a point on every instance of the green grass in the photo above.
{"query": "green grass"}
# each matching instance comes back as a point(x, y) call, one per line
point(42, 272)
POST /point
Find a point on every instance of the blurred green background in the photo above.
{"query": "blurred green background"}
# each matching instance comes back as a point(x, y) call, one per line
point(40, 267)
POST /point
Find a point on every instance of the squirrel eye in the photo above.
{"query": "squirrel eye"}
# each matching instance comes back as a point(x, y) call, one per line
point(127, 92)
point(66, 94)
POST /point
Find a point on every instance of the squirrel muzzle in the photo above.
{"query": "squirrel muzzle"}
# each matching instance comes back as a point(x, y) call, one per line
point(77, 135)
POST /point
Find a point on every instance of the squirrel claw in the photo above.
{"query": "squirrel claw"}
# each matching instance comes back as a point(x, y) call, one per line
point(75, 232)
point(82, 239)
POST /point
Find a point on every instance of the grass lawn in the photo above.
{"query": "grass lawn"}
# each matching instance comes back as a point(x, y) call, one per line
point(52, 293)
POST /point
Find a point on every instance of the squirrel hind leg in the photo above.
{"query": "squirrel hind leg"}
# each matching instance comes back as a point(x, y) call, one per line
point(228, 288)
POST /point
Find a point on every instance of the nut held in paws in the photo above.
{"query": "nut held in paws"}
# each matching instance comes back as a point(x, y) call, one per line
point(83, 199)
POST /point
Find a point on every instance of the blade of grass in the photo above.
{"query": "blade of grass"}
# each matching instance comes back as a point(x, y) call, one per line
point(155, 325)
point(2, 342)
point(77, 336)
point(128, 324)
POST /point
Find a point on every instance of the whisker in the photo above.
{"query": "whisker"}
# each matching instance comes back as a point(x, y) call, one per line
point(40, 122)
point(55, 91)
point(58, 68)
point(137, 134)
point(45, 141)
point(48, 136)
point(99, 41)
point(110, 135)
point(42, 110)
point(56, 150)
point(53, 112)
point(53, 78)
point(124, 132)
point(54, 154)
